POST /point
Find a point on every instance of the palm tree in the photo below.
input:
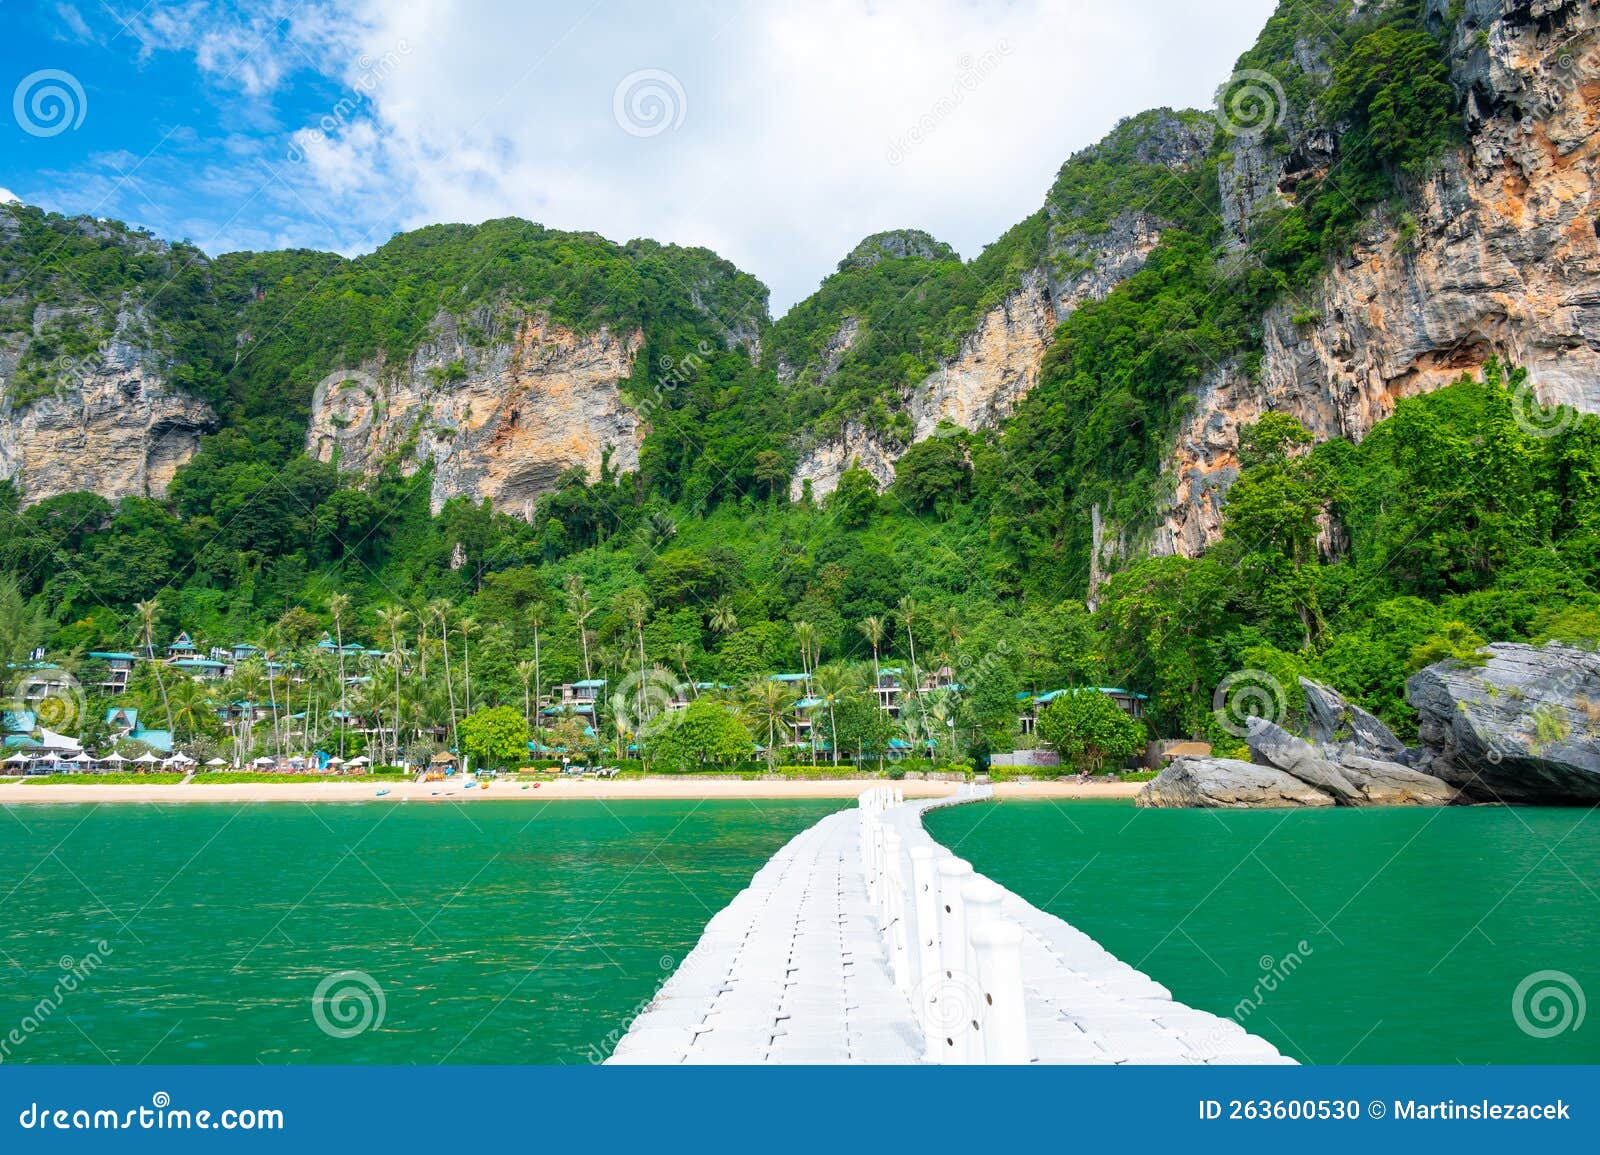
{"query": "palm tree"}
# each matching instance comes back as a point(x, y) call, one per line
point(245, 687)
point(369, 705)
point(948, 625)
point(147, 615)
point(635, 606)
point(872, 629)
point(537, 613)
point(768, 702)
point(192, 704)
point(440, 610)
point(908, 611)
point(422, 610)
point(723, 620)
point(832, 682)
point(269, 647)
point(338, 606)
point(806, 634)
point(526, 671)
point(943, 724)
point(390, 619)
point(466, 627)
point(610, 657)
point(681, 652)
point(318, 690)
point(578, 600)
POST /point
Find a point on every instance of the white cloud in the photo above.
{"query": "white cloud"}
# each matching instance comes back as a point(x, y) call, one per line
point(806, 125)
point(7, 197)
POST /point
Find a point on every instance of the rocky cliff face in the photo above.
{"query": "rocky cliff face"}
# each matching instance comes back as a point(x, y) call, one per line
point(998, 363)
point(1498, 254)
point(501, 420)
point(109, 422)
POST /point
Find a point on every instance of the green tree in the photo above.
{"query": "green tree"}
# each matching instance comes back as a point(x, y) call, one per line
point(495, 737)
point(708, 731)
point(1088, 729)
point(933, 474)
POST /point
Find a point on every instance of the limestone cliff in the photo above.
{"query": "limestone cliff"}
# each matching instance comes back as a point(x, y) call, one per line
point(1496, 254)
point(502, 419)
point(1087, 251)
point(997, 364)
point(108, 422)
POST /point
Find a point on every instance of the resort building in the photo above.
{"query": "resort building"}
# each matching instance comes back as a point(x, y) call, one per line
point(182, 647)
point(202, 669)
point(575, 698)
point(888, 691)
point(1129, 701)
point(17, 727)
point(124, 723)
point(804, 728)
point(119, 668)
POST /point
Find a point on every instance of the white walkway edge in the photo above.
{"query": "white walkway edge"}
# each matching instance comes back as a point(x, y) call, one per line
point(796, 969)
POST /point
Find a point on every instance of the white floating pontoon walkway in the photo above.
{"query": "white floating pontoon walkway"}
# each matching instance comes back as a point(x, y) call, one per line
point(864, 941)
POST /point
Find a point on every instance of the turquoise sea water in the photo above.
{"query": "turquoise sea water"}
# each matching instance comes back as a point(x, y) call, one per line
point(1343, 936)
point(487, 933)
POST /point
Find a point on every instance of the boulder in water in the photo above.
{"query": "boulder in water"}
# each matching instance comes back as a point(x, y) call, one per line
point(1331, 718)
point(1226, 783)
point(1384, 783)
point(1349, 778)
point(1522, 727)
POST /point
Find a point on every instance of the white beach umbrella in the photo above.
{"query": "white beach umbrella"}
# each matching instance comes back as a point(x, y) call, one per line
point(217, 762)
point(113, 757)
point(18, 759)
point(147, 759)
point(181, 759)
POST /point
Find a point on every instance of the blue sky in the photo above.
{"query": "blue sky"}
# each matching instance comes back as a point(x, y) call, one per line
point(776, 133)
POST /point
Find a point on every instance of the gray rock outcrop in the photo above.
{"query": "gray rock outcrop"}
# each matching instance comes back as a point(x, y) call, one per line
point(1330, 718)
point(1225, 783)
point(1344, 772)
point(1523, 727)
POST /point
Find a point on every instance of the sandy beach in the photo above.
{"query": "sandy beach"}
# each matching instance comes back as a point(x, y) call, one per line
point(12, 793)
